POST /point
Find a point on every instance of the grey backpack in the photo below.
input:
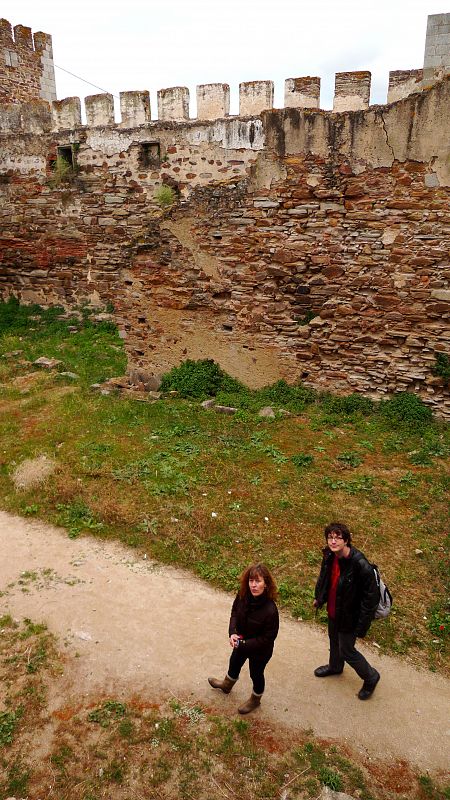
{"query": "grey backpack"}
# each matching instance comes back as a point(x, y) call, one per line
point(385, 602)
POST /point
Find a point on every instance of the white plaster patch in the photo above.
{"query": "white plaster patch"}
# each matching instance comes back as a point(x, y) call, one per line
point(233, 134)
point(108, 141)
point(349, 102)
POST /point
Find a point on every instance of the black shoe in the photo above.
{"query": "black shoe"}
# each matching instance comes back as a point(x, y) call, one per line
point(368, 688)
point(323, 672)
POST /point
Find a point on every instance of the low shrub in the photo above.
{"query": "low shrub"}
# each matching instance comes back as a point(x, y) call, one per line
point(348, 405)
point(63, 172)
point(293, 398)
point(199, 379)
point(205, 378)
point(442, 367)
point(407, 408)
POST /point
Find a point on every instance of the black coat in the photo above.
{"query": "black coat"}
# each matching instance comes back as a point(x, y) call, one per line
point(256, 619)
point(357, 592)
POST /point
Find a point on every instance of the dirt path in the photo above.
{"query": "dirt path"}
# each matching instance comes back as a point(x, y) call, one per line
point(138, 627)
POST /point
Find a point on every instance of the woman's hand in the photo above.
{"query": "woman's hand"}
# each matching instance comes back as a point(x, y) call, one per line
point(315, 604)
point(234, 640)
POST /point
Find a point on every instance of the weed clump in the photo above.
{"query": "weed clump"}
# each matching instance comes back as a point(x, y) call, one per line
point(294, 398)
point(331, 778)
point(110, 710)
point(205, 378)
point(349, 405)
point(406, 408)
point(302, 460)
point(442, 367)
point(8, 722)
point(199, 379)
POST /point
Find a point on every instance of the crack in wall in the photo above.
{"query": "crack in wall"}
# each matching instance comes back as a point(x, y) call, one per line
point(383, 122)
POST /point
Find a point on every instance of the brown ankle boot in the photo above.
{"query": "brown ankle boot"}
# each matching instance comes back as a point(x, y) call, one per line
point(253, 702)
point(226, 685)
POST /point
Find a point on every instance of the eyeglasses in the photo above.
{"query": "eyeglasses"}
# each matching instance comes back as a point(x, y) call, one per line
point(336, 536)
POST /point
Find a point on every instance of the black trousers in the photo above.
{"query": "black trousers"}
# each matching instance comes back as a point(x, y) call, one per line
point(342, 649)
point(257, 664)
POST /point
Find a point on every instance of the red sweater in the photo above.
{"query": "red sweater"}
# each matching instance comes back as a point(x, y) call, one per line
point(334, 579)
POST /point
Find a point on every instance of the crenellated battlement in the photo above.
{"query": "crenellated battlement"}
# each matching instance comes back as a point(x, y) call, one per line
point(22, 36)
point(26, 64)
point(213, 123)
point(28, 74)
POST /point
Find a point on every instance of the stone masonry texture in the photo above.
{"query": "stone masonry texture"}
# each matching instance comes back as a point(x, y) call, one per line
point(437, 45)
point(26, 65)
point(303, 244)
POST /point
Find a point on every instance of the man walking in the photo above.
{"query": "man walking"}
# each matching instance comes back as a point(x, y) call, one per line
point(347, 585)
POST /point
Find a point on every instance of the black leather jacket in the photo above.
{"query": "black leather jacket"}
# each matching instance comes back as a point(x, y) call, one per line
point(357, 592)
point(256, 619)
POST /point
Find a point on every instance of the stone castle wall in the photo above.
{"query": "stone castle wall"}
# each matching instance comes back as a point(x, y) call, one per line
point(26, 65)
point(303, 244)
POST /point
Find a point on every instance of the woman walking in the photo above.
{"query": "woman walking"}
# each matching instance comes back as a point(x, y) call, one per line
point(252, 630)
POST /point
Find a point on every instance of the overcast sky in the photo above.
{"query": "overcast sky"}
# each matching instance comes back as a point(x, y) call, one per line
point(154, 44)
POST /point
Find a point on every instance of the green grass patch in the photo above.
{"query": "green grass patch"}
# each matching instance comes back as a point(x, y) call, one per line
point(91, 350)
point(109, 710)
point(211, 492)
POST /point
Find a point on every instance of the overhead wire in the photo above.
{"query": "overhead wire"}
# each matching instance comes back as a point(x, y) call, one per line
point(85, 81)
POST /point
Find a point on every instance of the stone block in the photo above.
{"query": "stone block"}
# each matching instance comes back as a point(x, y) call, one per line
point(352, 91)
point(403, 83)
point(302, 92)
point(99, 110)
point(134, 108)
point(206, 404)
point(441, 294)
point(213, 101)
point(266, 203)
point(66, 113)
point(173, 104)
point(230, 410)
point(255, 97)
point(431, 180)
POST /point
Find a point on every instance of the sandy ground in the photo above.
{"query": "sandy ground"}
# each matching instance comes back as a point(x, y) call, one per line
point(130, 626)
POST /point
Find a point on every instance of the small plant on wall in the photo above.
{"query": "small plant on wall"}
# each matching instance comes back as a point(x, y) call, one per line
point(165, 196)
point(62, 170)
point(442, 367)
point(64, 167)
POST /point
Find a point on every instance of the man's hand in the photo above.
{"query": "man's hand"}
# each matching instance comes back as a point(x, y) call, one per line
point(234, 640)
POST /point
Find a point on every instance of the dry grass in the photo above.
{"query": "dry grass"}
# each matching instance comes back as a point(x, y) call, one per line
point(33, 471)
